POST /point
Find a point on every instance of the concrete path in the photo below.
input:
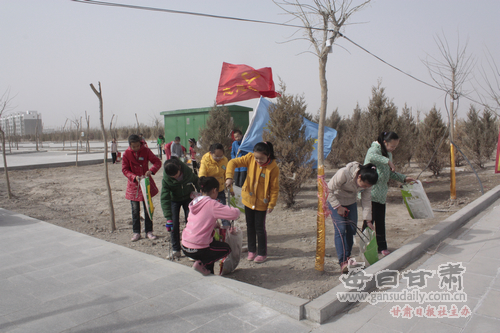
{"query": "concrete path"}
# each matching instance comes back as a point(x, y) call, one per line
point(57, 280)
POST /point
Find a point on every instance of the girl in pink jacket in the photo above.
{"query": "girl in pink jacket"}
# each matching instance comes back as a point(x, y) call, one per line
point(197, 238)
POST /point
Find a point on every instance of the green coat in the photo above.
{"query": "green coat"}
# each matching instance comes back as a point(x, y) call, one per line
point(174, 190)
point(379, 190)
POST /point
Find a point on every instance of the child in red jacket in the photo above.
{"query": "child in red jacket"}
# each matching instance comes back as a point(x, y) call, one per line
point(135, 164)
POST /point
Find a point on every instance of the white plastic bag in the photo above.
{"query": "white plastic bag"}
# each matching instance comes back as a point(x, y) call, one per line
point(235, 239)
point(416, 201)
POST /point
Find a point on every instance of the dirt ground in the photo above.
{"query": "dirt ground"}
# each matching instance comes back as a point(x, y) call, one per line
point(76, 198)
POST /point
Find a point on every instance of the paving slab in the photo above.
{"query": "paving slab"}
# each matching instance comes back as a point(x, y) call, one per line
point(58, 280)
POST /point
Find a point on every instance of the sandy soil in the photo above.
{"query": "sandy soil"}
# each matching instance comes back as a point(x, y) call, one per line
point(76, 198)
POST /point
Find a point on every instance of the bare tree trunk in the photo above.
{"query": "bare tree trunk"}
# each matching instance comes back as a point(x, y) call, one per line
point(80, 134)
point(9, 136)
point(87, 119)
point(63, 133)
point(16, 139)
point(453, 182)
point(138, 127)
point(36, 133)
point(108, 186)
point(9, 193)
point(77, 124)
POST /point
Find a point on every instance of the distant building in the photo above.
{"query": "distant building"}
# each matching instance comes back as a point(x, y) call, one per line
point(22, 123)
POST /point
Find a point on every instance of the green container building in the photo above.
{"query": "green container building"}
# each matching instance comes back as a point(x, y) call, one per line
point(187, 123)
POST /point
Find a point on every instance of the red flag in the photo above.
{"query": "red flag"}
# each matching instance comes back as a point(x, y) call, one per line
point(242, 82)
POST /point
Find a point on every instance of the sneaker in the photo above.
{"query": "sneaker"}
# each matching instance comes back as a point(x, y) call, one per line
point(198, 266)
point(251, 256)
point(136, 237)
point(385, 252)
point(151, 236)
point(175, 255)
point(191, 259)
point(260, 259)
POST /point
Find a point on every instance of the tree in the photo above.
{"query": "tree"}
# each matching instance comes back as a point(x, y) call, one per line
point(450, 74)
point(286, 131)
point(77, 123)
point(431, 150)
point(217, 130)
point(157, 127)
point(322, 23)
point(108, 186)
point(318, 20)
point(5, 101)
point(481, 136)
point(87, 120)
point(381, 116)
point(338, 123)
point(408, 132)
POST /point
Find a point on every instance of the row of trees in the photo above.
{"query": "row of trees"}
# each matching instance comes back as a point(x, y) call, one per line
point(422, 141)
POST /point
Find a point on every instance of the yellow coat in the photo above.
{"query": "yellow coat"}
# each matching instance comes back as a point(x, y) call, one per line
point(212, 168)
point(261, 187)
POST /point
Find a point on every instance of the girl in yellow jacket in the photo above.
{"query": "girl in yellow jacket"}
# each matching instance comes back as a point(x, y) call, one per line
point(259, 194)
point(214, 164)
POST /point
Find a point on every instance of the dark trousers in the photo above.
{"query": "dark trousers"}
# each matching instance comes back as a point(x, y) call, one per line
point(175, 234)
point(159, 152)
point(195, 166)
point(136, 218)
point(113, 156)
point(256, 231)
point(378, 220)
point(221, 197)
point(209, 255)
point(239, 178)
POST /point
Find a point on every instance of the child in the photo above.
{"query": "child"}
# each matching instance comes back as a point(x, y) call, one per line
point(380, 154)
point(192, 153)
point(167, 149)
point(135, 164)
point(160, 142)
point(344, 187)
point(214, 164)
point(114, 150)
point(259, 194)
point(240, 174)
point(197, 239)
point(178, 183)
point(176, 148)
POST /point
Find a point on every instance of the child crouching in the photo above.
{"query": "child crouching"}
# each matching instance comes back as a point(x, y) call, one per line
point(197, 238)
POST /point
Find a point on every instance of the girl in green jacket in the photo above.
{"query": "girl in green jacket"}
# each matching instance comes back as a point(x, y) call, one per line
point(380, 154)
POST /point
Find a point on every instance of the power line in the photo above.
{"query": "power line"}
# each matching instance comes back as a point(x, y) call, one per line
point(109, 4)
point(154, 9)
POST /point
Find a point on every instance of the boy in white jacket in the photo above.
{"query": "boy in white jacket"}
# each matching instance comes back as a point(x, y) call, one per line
point(197, 238)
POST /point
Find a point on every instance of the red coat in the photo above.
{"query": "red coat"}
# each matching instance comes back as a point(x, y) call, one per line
point(137, 164)
point(167, 149)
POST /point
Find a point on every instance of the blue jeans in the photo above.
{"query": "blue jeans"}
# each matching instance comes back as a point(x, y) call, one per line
point(176, 209)
point(221, 197)
point(345, 229)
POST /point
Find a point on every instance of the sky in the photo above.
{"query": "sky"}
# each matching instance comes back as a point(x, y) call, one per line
point(149, 62)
